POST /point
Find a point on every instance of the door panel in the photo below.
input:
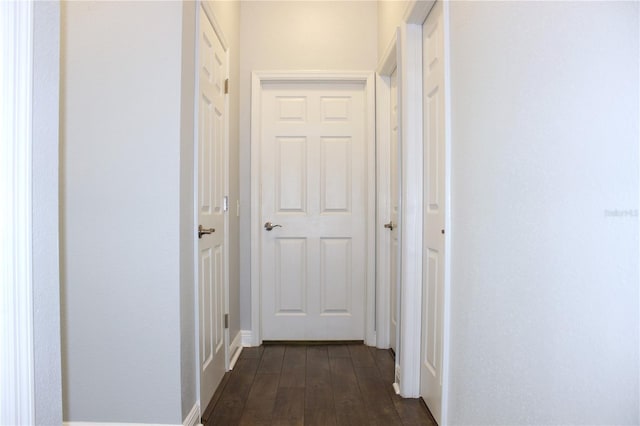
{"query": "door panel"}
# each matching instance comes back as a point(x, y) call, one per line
point(211, 186)
point(313, 184)
point(291, 169)
point(335, 280)
point(291, 276)
point(433, 226)
point(335, 170)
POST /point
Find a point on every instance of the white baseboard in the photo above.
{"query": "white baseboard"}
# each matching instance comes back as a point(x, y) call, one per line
point(115, 424)
point(193, 418)
point(235, 349)
point(247, 338)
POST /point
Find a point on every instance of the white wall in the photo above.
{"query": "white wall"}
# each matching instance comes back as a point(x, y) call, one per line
point(390, 14)
point(289, 35)
point(188, 365)
point(46, 283)
point(120, 211)
point(545, 104)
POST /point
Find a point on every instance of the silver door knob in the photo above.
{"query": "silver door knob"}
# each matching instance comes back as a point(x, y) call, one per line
point(269, 226)
point(202, 231)
point(389, 226)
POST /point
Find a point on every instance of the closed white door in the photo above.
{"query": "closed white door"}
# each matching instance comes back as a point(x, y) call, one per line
point(394, 216)
point(433, 226)
point(313, 192)
point(212, 69)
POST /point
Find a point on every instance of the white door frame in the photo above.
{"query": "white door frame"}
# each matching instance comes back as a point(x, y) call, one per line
point(17, 370)
point(412, 123)
point(389, 62)
point(257, 80)
point(206, 7)
point(410, 85)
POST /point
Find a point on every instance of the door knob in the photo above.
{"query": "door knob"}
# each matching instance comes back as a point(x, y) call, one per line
point(269, 226)
point(202, 231)
point(389, 226)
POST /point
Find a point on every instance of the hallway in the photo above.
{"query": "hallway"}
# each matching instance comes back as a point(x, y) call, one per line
point(313, 385)
point(502, 224)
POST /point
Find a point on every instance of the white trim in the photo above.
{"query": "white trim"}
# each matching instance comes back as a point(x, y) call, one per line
point(125, 424)
point(193, 418)
point(246, 337)
point(396, 388)
point(411, 213)
point(227, 338)
point(417, 11)
point(388, 64)
point(370, 137)
point(383, 186)
point(254, 230)
point(446, 313)
point(389, 60)
point(235, 349)
point(311, 76)
point(17, 386)
point(257, 79)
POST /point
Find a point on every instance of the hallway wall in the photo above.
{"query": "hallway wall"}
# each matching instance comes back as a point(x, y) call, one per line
point(46, 262)
point(120, 154)
point(544, 309)
point(390, 14)
point(290, 35)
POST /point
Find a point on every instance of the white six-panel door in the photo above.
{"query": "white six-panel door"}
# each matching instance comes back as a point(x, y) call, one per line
point(313, 184)
point(212, 70)
point(434, 214)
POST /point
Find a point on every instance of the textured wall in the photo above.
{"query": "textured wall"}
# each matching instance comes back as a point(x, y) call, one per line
point(188, 367)
point(544, 320)
point(120, 211)
point(390, 15)
point(46, 283)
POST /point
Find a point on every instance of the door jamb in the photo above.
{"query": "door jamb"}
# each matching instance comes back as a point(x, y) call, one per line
point(386, 67)
point(204, 6)
point(257, 80)
point(17, 333)
point(416, 13)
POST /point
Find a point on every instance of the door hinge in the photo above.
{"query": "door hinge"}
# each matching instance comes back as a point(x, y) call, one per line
point(226, 320)
point(225, 203)
point(226, 86)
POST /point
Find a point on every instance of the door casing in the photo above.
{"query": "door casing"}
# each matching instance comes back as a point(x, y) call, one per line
point(387, 66)
point(258, 78)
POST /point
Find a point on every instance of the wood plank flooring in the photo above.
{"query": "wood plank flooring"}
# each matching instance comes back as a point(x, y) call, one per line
point(313, 385)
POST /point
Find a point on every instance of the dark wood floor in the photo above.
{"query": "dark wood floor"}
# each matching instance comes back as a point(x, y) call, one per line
point(313, 385)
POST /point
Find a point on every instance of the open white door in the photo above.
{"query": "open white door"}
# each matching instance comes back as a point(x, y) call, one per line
point(394, 215)
point(434, 212)
point(212, 175)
